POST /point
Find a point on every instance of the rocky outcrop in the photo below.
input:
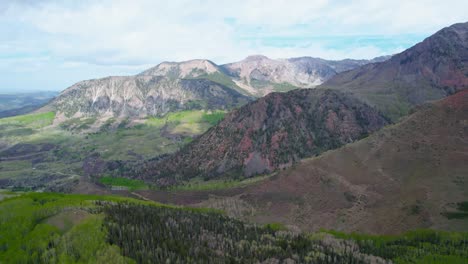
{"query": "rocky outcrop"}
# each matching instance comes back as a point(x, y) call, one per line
point(144, 95)
point(185, 69)
point(261, 75)
point(271, 133)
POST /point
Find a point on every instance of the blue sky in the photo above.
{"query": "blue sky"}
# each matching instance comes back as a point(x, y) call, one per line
point(49, 45)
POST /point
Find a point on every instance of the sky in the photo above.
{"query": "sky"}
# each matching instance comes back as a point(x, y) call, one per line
point(50, 45)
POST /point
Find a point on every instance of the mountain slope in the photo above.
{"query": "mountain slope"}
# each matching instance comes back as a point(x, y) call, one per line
point(271, 133)
point(260, 75)
point(430, 70)
point(58, 228)
point(191, 68)
point(144, 95)
point(406, 176)
point(194, 84)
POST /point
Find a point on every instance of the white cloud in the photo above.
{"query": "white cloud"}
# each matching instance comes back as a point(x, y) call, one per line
point(110, 32)
point(135, 33)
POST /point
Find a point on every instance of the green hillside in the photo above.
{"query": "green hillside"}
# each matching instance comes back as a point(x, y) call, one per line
point(59, 228)
point(35, 154)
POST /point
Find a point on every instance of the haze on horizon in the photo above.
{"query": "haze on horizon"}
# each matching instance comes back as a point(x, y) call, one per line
point(49, 45)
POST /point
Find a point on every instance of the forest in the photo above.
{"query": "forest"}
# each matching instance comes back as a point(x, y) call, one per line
point(60, 228)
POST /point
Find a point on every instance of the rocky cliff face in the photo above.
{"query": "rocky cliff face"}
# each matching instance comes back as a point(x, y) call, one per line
point(144, 95)
point(260, 75)
point(430, 70)
point(271, 133)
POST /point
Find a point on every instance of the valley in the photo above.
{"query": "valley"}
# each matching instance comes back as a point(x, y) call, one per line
point(23, 103)
point(294, 160)
point(38, 155)
point(403, 177)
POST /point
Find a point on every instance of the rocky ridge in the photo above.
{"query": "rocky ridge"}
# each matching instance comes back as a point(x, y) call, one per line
point(271, 133)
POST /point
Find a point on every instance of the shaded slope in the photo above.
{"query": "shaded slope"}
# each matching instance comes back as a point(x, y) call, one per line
point(271, 133)
point(403, 177)
point(430, 70)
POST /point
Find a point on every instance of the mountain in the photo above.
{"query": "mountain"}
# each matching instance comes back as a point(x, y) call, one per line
point(155, 92)
point(260, 75)
point(430, 70)
point(190, 69)
point(271, 133)
point(194, 84)
point(406, 176)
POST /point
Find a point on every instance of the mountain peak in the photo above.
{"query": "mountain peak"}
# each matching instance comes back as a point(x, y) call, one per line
point(183, 68)
point(256, 57)
point(457, 33)
point(458, 26)
point(430, 70)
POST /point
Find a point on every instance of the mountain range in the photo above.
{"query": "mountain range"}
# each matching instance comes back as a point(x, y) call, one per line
point(373, 146)
point(259, 75)
point(406, 176)
point(294, 160)
point(195, 84)
point(280, 129)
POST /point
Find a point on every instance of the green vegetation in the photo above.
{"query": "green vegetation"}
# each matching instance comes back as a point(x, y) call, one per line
point(187, 122)
point(38, 120)
point(277, 87)
point(27, 237)
point(39, 152)
point(420, 246)
point(275, 226)
point(78, 124)
point(283, 87)
point(259, 83)
point(123, 182)
point(190, 117)
point(186, 236)
point(461, 213)
point(59, 228)
point(222, 79)
point(392, 106)
point(214, 117)
point(198, 184)
point(463, 206)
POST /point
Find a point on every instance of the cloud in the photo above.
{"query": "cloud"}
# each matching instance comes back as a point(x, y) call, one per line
point(132, 34)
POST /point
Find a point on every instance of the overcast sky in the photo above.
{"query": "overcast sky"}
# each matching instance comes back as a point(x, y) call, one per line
point(49, 45)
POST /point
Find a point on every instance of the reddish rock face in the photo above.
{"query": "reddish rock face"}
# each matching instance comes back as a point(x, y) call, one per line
point(271, 133)
point(457, 101)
